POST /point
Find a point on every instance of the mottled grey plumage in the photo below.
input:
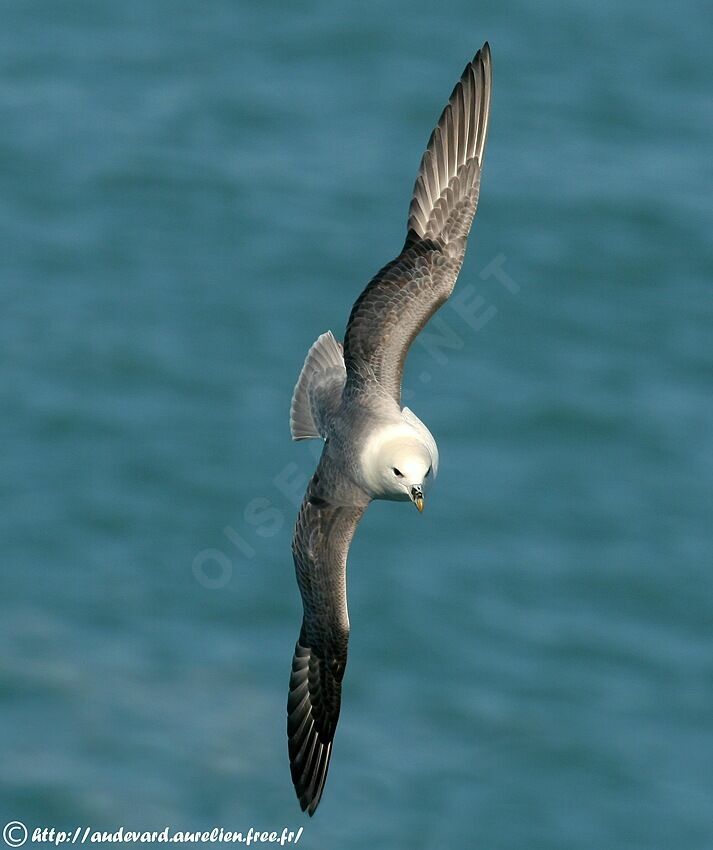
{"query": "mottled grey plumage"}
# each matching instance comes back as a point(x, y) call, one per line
point(404, 295)
point(360, 406)
point(325, 527)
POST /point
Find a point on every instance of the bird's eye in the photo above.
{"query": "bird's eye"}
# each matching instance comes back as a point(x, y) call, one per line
point(398, 473)
point(429, 471)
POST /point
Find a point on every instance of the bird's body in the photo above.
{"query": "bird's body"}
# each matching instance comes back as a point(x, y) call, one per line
point(350, 396)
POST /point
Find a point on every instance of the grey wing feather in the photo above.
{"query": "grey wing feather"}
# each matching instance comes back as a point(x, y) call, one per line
point(446, 191)
point(320, 546)
point(404, 295)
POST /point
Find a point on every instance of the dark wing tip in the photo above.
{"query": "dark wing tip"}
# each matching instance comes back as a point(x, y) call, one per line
point(482, 69)
point(483, 55)
point(445, 194)
point(312, 714)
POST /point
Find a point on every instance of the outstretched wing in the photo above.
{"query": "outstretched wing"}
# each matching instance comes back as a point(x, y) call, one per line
point(404, 295)
point(320, 546)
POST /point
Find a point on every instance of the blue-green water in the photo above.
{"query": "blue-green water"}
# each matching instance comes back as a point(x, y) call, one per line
point(189, 194)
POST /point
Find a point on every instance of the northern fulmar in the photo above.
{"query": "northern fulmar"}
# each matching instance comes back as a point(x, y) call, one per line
point(350, 396)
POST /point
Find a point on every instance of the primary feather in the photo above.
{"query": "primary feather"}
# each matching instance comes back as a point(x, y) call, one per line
point(403, 296)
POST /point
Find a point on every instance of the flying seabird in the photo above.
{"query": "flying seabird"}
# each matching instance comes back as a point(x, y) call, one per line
point(350, 396)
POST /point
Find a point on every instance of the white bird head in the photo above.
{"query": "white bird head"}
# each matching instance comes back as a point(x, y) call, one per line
point(405, 468)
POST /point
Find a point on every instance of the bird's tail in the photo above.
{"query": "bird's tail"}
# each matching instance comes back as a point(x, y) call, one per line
point(319, 387)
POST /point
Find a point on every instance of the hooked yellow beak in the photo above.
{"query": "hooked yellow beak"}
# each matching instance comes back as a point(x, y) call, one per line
point(417, 498)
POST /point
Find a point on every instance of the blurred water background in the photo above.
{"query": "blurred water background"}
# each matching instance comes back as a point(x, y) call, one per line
point(191, 193)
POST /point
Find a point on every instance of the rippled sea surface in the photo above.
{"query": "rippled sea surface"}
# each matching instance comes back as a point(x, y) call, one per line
point(189, 194)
